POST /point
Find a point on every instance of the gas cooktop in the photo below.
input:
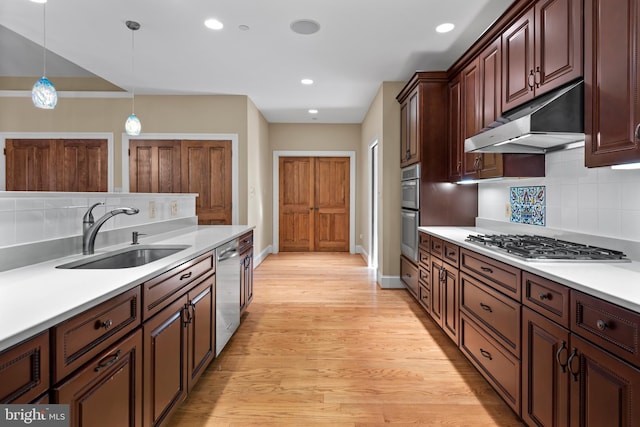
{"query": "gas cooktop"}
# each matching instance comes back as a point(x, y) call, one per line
point(540, 248)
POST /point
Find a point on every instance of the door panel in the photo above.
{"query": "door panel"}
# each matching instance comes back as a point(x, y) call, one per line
point(83, 164)
point(154, 166)
point(296, 204)
point(206, 170)
point(332, 203)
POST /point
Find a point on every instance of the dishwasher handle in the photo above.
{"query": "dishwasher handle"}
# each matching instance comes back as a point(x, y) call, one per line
point(227, 254)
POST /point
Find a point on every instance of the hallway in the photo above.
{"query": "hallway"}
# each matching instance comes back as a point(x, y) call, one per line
point(322, 344)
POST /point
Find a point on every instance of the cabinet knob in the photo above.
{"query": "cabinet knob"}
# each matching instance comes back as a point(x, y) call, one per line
point(544, 296)
point(106, 324)
point(602, 325)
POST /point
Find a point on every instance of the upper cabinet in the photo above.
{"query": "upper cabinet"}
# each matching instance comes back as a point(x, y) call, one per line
point(612, 82)
point(541, 50)
point(409, 127)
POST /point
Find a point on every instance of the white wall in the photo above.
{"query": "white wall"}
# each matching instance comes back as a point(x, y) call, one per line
point(598, 201)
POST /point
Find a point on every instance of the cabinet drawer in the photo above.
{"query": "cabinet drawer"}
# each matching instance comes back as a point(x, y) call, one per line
point(425, 275)
point(436, 247)
point(607, 325)
point(450, 254)
point(497, 313)
point(24, 369)
point(409, 275)
point(160, 291)
point(501, 276)
point(546, 297)
point(80, 338)
point(424, 257)
point(245, 241)
point(424, 240)
point(497, 365)
point(424, 296)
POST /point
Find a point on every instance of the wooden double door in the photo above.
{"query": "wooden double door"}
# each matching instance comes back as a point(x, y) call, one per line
point(314, 204)
point(78, 165)
point(185, 166)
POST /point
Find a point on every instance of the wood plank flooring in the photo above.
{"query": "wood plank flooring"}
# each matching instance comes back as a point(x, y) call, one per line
point(322, 344)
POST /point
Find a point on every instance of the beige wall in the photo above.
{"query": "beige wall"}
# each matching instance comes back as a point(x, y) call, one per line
point(382, 122)
point(259, 172)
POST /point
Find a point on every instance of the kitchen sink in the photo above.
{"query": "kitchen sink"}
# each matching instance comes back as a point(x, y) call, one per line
point(133, 256)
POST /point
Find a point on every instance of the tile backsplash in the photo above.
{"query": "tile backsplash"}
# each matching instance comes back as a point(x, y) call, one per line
point(31, 217)
point(598, 201)
point(527, 205)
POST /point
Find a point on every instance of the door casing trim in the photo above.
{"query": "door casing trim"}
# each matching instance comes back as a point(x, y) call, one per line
point(352, 191)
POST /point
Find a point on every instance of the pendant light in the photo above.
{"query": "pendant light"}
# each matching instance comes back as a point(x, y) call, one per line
point(133, 126)
point(43, 93)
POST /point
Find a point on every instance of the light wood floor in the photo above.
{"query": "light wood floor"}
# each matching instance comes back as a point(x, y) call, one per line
point(321, 344)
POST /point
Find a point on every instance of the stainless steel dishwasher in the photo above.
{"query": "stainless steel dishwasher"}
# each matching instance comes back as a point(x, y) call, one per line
point(227, 293)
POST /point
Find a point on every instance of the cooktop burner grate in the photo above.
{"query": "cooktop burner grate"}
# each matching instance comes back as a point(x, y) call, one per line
point(540, 248)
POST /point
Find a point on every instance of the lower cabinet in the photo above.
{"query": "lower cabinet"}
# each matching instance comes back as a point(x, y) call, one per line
point(24, 369)
point(246, 278)
point(107, 391)
point(179, 343)
point(445, 293)
point(409, 274)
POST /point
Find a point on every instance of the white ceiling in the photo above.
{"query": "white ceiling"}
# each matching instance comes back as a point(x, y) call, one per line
point(361, 43)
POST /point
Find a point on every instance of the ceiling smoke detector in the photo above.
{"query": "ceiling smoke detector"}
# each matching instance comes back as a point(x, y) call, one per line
point(305, 26)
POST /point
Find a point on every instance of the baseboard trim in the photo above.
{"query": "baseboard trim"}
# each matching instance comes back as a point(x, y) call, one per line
point(257, 260)
point(391, 282)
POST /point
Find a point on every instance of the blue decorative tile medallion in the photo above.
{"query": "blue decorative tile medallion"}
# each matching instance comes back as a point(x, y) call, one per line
point(528, 205)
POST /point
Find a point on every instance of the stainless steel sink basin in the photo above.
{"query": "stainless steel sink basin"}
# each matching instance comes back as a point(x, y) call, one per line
point(133, 256)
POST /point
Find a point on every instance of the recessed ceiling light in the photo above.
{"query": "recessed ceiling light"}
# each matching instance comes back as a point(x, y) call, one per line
point(214, 24)
point(313, 111)
point(306, 81)
point(243, 27)
point(305, 26)
point(445, 28)
point(39, 1)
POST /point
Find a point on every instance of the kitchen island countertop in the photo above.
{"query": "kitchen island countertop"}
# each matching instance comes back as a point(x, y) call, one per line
point(616, 282)
point(35, 297)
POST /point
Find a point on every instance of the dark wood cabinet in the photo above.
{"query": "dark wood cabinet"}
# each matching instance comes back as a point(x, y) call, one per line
point(201, 323)
point(612, 82)
point(409, 128)
point(542, 50)
point(245, 248)
point(605, 391)
point(24, 369)
point(545, 382)
point(409, 274)
point(108, 390)
point(444, 295)
point(165, 362)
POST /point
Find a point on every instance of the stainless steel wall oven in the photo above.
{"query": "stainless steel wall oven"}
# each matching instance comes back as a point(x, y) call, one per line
point(410, 211)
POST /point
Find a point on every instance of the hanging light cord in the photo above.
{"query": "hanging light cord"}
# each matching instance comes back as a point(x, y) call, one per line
point(133, 71)
point(44, 38)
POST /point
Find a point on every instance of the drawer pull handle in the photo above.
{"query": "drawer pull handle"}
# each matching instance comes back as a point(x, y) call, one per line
point(451, 253)
point(486, 269)
point(485, 307)
point(111, 360)
point(602, 325)
point(106, 324)
point(569, 360)
point(186, 275)
point(544, 296)
point(486, 354)
point(562, 365)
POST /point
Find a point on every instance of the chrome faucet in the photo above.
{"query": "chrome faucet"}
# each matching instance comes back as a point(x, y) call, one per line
point(90, 227)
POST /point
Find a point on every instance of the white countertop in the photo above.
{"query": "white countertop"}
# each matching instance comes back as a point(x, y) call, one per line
point(616, 282)
point(38, 296)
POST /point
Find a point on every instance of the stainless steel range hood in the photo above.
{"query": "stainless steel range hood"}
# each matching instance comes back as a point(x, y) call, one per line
point(551, 122)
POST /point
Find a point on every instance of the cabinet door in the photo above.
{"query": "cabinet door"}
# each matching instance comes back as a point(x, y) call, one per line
point(108, 391)
point(455, 140)
point(413, 128)
point(612, 82)
point(518, 77)
point(471, 109)
point(404, 133)
point(605, 391)
point(246, 278)
point(202, 328)
point(437, 289)
point(545, 381)
point(165, 362)
point(558, 53)
point(450, 295)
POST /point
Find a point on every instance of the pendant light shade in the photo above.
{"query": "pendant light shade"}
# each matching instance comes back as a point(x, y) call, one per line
point(43, 93)
point(133, 126)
